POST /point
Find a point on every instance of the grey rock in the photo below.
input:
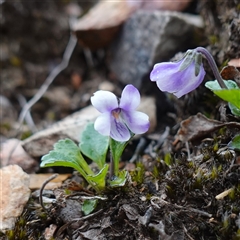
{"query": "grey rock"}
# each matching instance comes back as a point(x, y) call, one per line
point(149, 37)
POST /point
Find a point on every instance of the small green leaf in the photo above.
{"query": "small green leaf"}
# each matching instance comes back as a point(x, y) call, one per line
point(229, 95)
point(214, 85)
point(99, 180)
point(120, 180)
point(235, 143)
point(94, 145)
point(234, 110)
point(67, 154)
point(116, 151)
point(89, 205)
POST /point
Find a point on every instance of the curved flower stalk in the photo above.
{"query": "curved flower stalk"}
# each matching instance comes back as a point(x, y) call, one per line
point(119, 118)
point(179, 77)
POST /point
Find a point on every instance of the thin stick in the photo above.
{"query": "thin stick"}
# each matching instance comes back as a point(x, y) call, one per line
point(25, 111)
point(28, 117)
point(186, 232)
point(179, 207)
point(42, 188)
point(61, 229)
point(66, 57)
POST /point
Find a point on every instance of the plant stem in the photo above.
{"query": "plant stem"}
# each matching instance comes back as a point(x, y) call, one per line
point(111, 170)
point(212, 64)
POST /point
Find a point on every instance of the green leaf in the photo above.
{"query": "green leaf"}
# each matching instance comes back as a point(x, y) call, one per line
point(99, 180)
point(235, 143)
point(89, 205)
point(116, 151)
point(230, 95)
point(67, 154)
point(120, 180)
point(94, 145)
point(214, 85)
point(235, 111)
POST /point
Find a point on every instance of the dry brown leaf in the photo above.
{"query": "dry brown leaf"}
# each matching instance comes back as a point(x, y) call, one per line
point(231, 73)
point(198, 125)
point(100, 25)
point(37, 180)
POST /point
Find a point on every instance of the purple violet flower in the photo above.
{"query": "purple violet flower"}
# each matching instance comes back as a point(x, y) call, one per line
point(170, 77)
point(119, 116)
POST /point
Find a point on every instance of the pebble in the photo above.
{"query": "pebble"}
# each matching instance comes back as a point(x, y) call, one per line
point(14, 193)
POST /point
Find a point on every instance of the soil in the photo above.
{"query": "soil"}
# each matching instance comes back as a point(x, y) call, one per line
point(173, 187)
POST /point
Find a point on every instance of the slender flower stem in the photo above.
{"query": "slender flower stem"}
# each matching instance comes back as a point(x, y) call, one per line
point(112, 167)
point(212, 64)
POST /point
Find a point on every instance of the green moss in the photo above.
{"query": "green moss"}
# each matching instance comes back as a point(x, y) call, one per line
point(138, 174)
point(168, 159)
point(213, 39)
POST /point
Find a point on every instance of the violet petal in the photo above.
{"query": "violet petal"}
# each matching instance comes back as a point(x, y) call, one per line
point(104, 101)
point(103, 123)
point(119, 131)
point(130, 98)
point(191, 83)
point(137, 122)
point(170, 79)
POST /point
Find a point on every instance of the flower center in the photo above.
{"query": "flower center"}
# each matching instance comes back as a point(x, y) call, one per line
point(116, 113)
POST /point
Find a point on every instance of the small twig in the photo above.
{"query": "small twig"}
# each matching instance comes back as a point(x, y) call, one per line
point(196, 211)
point(139, 148)
point(186, 232)
point(178, 206)
point(28, 117)
point(87, 217)
point(59, 68)
point(231, 166)
point(224, 194)
point(61, 229)
point(26, 109)
point(42, 188)
point(188, 151)
point(162, 138)
point(88, 197)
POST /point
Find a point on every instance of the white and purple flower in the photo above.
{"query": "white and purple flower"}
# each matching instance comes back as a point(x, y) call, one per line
point(172, 78)
point(119, 117)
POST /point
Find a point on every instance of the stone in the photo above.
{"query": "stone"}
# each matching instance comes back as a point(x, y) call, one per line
point(71, 127)
point(12, 153)
point(148, 106)
point(14, 194)
point(149, 37)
